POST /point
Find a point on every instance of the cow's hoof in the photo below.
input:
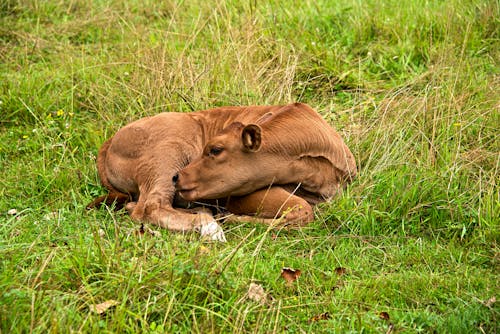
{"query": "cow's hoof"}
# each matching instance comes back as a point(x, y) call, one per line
point(213, 231)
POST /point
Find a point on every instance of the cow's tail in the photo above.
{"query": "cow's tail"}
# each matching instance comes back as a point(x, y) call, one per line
point(115, 196)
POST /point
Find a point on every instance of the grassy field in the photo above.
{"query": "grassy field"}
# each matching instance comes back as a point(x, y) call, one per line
point(413, 86)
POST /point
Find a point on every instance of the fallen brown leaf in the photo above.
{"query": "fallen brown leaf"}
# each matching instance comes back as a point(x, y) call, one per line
point(103, 307)
point(384, 316)
point(340, 271)
point(322, 316)
point(290, 275)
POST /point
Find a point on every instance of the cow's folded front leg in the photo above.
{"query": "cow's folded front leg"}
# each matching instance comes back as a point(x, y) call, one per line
point(201, 222)
point(272, 204)
point(159, 211)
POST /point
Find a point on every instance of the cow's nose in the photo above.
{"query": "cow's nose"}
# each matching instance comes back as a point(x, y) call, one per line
point(175, 178)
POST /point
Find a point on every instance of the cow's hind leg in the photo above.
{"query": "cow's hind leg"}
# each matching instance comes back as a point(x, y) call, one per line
point(273, 205)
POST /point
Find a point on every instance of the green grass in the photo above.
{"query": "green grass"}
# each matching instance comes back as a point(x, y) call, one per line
point(413, 86)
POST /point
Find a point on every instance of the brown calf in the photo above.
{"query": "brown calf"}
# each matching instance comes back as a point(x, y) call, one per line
point(270, 161)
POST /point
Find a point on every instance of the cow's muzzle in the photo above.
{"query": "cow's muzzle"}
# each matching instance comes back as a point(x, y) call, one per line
point(186, 189)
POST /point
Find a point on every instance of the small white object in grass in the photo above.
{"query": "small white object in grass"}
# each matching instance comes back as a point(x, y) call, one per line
point(152, 232)
point(103, 307)
point(101, 233)
point(214, 231)
point(12, 212)
point(256, 293)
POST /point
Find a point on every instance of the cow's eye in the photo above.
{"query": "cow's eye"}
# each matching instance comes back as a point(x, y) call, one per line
point(215, 151)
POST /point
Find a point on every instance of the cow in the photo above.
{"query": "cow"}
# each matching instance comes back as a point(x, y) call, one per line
point(262, 162)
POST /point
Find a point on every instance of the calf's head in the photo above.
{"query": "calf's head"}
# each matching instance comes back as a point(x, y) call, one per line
point(231, 164)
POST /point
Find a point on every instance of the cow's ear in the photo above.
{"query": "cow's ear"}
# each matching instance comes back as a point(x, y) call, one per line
point(265, 118)
point(251, 137)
